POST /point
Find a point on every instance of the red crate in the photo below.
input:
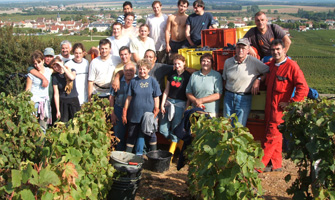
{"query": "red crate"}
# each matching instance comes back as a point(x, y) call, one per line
point(218, 38)
point(219, 57)
point(257, 129)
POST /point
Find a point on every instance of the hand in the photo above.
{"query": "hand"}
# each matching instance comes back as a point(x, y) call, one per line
point(45, 82)
point(116, 84)
point(114, 118)
point(255, 87)
point(58, 115)
point(198, 102)
point(124, 119)
point(283, 105)
point(156, 111)
point(163, 110)
point(252, 52)
point(202, 106)
point(168, 48)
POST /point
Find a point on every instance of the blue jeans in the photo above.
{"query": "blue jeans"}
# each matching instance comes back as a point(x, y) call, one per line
point(239, 104)
point(119, 129)
point(166, 127)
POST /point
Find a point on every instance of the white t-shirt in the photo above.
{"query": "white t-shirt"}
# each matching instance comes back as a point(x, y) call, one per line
point(65, 59)
point(101, 73)
point(157, 30)
point(139, 47)
point(116, 45)
point(39, 92)
point(81, 78)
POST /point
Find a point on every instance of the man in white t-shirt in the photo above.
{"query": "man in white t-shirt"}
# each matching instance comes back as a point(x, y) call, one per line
point(117, 41)
point(157, 25)
point(101, 71)
point(66, 48)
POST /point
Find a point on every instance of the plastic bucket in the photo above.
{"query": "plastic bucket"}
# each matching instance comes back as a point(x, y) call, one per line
point(128, 164)
point(159, 161)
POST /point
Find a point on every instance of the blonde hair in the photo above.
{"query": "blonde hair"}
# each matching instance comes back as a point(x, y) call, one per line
point(69, 83)
point(145, 62)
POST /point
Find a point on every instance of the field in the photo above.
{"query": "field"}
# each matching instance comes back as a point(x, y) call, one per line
point(315, 53)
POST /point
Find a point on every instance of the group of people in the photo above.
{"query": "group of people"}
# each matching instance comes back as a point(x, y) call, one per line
point(130, 70)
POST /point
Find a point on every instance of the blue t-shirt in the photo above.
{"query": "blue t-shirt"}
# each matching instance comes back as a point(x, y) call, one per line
point(143, 92)
point(121, 94)
point(198, 23)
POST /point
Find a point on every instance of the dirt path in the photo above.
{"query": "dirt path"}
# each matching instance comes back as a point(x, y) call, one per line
point(172, 184)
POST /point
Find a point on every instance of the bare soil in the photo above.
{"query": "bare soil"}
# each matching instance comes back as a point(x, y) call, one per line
point(172, 184)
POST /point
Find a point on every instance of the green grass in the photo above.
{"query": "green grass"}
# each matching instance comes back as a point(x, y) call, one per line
point(86, 40)
point(306, 47)
point(20, 17)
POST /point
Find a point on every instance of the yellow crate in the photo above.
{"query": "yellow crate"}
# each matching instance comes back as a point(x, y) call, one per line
point(184, 51)
point(258, 101)
point(241, 31)
point(193, 59)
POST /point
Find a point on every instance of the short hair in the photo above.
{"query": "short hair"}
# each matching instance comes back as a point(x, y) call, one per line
point(277, 42)
point(104, 42)
point(36, 55)
point(127, 3)
point(65, 42)
point(208, 56)
point(179, 57)
point(199, 3)
point(259, 13)
point(145, 62)
point(130, 13)
point(132, 64)
point(78, 45)
point(148, 50)
point(183, 1)
point(155, 2)
point(116, 23)
point(144, 25)
point(124, 48)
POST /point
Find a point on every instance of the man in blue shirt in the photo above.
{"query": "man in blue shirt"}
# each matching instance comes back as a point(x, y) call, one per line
point(198, 21)
point(117, 100)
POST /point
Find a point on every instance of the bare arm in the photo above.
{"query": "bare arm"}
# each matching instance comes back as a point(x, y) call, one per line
point(113, 116)
point(29, 83)
point(90, 90)
point(256, 84)
point(56, 98)
point(188, 34)
point(125, 109)
point(167, 34)
point(252, 52)
point(208, 99)
point(116, 81)
point(36, 73)
point(165, 95)
point(287, 42)
point(156, 108)
point(70, 74)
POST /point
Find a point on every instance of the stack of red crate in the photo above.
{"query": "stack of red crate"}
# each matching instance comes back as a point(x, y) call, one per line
point(219, 57)
point(218, 38)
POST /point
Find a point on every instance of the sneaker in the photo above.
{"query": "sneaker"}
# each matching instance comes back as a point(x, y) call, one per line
point(278, 170)
point(267, 169)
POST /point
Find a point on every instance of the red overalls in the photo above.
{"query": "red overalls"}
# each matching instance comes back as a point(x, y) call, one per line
point(280, 84)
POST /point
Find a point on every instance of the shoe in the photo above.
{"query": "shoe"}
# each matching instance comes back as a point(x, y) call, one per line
point(267, 169)
point(278, 170)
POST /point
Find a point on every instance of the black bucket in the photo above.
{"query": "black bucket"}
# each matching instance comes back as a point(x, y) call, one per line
point(128, 175)
point(124, 189)
point(159, 161)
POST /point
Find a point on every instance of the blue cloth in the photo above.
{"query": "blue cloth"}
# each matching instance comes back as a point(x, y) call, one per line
point(198, 23)
point(121, 94)
point(239, 104)
point(143, 92)
point(166, 127)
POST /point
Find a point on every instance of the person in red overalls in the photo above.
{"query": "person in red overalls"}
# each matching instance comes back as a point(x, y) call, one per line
point(284, 75)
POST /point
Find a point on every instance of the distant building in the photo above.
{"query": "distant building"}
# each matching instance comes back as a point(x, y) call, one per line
point(101, 27)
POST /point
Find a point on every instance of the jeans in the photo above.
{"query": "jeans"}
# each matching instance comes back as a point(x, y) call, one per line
point(135, 135)
point(119, 129)
point(43, 123)
point(166, 127)
point(239, 104)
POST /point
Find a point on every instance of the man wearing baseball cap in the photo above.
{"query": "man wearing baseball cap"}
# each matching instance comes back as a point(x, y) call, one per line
point(49, 54)
point(241, 78)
